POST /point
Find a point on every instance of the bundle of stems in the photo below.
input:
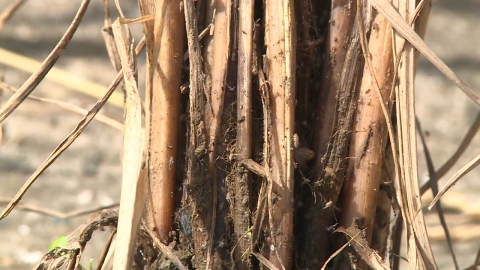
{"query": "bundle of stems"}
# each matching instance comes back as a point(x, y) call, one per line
point(276, 134)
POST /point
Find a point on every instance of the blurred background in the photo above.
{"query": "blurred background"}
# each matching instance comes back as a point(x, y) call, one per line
point(88, 174)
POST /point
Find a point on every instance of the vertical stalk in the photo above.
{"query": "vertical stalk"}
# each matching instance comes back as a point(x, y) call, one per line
point(280, 41)
point(342, 17)
point(335, 111)
point(198, 186)
point(241, 210)
point(419, 252)
point(370, 131)
point(214, 110)
point(164, 64)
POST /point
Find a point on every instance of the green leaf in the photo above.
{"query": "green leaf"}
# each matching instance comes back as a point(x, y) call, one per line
point(61, 241)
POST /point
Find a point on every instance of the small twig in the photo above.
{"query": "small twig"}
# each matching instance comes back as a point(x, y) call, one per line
point(167, 251)
point(105, 251)
point(9, 12)
point(454, 179)
point(202, 34)
point(110, 40)
point(458, 153)
point(473, 266)
point(476, 263)
point(57, 214)
point(39, 74)
point(431, 174)
point(254, 167)
point(264, 261)
point(339, 250)
point(386, 9)
point(477, 258)
point(68, 140)
point(65, 105)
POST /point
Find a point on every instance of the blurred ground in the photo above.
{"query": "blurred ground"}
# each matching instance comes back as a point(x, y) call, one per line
point(88, 174)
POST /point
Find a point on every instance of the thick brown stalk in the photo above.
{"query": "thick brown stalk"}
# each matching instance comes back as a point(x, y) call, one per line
point(335, 111)
point(370, 132)
point(241, 210)
point(280, 41)
point(164, 64)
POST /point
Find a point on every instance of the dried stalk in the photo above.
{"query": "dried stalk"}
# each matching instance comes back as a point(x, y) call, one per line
point(335, 111)
point(280, 41)
point(467, 139)
point(214, 112)
point(405, 31)
point(241, 211)
point(9, 12)
point(66, 79)
point(34, 79)
point(67, 141)
point(438, 206)
point(342, 17)
point(164, 66)
point(418, 247)
point(133, 181)
point(54, 213)
point(368, 142)
point(67, 106)
point(198, 194)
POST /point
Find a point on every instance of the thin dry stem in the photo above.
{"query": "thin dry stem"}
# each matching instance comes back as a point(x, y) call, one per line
point(472, 164)
point(405, 31)
point(439, 207)
point(133, 175)
point(65, 105)
point(9, 12)
point(214, 112)
point(244, 130)
point(67, 79)
point(33, 81)
point(106, 250)
point(467, 139)
point(418, 247)
point(167, 252)
point(280, 41)
point(109, 39)
point(67, 141)
point(57, 214)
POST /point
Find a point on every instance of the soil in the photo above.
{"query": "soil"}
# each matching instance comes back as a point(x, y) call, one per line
point(88, 174)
